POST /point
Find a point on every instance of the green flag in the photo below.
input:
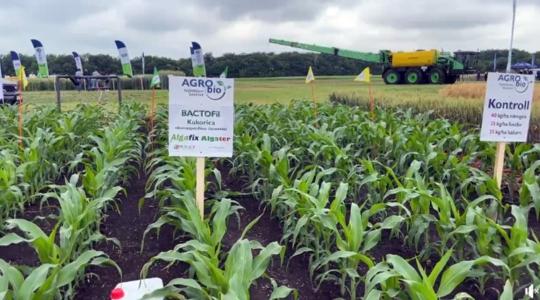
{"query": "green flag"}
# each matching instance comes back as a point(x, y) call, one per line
point(224, 73)
point(155, 79)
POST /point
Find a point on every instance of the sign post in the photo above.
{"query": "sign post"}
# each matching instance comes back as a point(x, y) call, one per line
point(201, 119)
point(507, 113)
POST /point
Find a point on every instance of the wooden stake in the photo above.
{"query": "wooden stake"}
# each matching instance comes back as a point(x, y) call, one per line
point(371, 100)
point(315, 113)
point(20, 115)
point(499, 163)
point(199, 193)
point(152, 115)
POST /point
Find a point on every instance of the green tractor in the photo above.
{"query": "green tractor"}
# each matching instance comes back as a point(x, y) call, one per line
point(422, 66)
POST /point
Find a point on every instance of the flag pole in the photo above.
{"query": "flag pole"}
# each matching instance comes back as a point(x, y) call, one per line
point(20, 111)
point(501, 146)
point(152, 116)
point(315, 112)
point(371, 100)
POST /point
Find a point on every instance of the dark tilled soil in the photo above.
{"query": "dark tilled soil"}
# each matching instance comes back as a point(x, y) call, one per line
point(128, 227)
point(41, 215)
point(267, 230)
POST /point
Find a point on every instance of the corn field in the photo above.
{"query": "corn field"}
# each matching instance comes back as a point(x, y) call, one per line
point(392, 205)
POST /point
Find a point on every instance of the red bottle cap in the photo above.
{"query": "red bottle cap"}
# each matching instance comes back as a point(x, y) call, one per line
point(117, 293)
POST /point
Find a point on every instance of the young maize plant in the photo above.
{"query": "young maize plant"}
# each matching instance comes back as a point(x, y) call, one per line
point(59, 271)
point(52, 146)
point(530, 188)
point(11, 195)
point(354, 241)
point(214, 278)
point(80, 215)
point(214, 274)
point(521, 254)
point(395, 278)
point(66, 252)
point(424, 170)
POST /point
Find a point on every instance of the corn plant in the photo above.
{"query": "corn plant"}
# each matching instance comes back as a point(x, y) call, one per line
point(529, 192)
point(48, 281)
point(80, 216)
point(59, 269)
point(354, 240)
point(11, 195)
point(395, 278)
point(232, 281)
point(215, 278)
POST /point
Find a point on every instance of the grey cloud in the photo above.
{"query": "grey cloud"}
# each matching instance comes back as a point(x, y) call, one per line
point(271, 10)
point(165, 27)
point(429, 15)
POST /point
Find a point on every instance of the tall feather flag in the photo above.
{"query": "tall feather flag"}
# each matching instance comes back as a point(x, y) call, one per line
point(310, 77)
point(197, 60)
point(78, 64)
point(224, 73)
point(155, 79)
point(41, 57)
point(16, 62)
point(124, 58)
point(364, 76)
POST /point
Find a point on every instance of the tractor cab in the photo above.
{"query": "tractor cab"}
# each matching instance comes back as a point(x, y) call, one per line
point(469, 59)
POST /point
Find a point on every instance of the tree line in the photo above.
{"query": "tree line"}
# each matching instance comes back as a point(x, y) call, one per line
point(256, 64)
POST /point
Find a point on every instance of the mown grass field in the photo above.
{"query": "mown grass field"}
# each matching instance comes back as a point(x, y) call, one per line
point(285, 89)
point(258, 90)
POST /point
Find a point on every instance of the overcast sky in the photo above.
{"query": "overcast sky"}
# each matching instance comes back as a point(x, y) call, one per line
point(166, 27)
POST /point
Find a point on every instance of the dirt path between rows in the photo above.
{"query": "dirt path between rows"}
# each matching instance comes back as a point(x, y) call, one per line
point(128, 227)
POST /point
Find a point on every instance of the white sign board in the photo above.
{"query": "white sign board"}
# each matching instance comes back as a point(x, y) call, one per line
point(201, 116)
point(507, 107)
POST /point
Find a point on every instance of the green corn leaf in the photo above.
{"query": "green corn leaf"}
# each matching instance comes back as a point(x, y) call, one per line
point(439, 266)
point(453, 276)
point(402, 267)
point(69, 272)
point(262, 260)
point(507, 293)
point(34, 282)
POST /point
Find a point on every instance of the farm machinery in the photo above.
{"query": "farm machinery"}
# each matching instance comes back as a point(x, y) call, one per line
point(421, 66)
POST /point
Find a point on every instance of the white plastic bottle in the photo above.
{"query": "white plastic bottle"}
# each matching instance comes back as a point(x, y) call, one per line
point(136, 289)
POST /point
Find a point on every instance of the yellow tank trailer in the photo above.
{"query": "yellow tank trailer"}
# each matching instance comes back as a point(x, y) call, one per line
point(414, 59)
point(414, 67)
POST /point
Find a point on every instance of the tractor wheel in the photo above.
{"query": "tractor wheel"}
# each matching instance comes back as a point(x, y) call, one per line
point(436, 76)
point(392, 76)
point(414, 76)
point(451, 79)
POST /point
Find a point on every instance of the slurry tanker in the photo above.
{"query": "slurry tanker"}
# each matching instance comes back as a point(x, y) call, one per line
point(414, 67)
